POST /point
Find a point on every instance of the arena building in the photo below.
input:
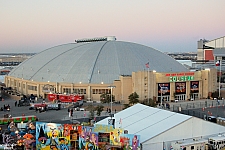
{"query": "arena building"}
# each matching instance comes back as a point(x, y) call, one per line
point(95, 66)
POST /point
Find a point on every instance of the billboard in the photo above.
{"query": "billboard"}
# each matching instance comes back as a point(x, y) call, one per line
point(194, 86)
point(180, 87)
point(164, 88)
point(130, 141)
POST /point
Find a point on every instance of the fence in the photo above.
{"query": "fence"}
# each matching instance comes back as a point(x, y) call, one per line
point(201, 109)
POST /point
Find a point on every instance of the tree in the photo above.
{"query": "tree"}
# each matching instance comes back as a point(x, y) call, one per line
point(149, 102)
point(133, 98)
point(106, 98)
point(99, 109)
point(91, 110)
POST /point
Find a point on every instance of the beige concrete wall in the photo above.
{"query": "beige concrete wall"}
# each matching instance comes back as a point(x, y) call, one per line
point(126, 88)
point(143, 82)
point(117, 90)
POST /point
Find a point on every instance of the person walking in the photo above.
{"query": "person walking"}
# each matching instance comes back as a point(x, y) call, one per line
point(15, 103)
point(71, 111)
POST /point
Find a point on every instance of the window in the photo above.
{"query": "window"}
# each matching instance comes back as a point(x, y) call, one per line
point(32, 88)
point(67, 90)
point(99, 91)
point(94, 91)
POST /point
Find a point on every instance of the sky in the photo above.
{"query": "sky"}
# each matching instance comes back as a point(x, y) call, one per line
point(31, 26)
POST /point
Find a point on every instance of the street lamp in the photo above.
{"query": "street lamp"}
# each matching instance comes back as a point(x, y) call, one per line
point(111, 87)
point(161, 95)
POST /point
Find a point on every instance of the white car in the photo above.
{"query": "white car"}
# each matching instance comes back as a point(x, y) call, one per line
point(79, 109)
point(82, 109)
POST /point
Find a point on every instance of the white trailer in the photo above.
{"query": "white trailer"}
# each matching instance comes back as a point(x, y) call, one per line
point(217, 142)
point(195, 144)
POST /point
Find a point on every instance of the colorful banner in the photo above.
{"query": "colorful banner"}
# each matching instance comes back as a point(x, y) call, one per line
point(194, 86)
point(103, 128)
point(180, 87)
point(103, 140)
point(18, 119)
point(50, 136)
point(163, 88)
point(88, 139)
point(130, 141)
point(115, 136)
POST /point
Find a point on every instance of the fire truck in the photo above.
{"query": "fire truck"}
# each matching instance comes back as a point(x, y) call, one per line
point(65, 98)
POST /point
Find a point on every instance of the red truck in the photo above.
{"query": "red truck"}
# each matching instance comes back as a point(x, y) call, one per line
point(65, 98)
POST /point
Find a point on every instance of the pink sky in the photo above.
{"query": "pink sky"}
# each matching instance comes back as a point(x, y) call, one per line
point(166, 25)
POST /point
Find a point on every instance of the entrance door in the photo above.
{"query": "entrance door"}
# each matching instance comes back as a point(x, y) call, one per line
point(181, 97)
point(165, 98)
point(194, 96)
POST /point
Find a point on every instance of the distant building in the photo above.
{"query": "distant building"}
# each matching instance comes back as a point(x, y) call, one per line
point(11, 61)
point(211, 50)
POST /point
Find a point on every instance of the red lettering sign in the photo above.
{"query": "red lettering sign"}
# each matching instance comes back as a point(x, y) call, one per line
point(180, 74)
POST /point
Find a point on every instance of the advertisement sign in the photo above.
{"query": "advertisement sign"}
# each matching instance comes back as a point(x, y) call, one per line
point(164, 88)
point(180, 87)
point(130, 141)
point(194, 86)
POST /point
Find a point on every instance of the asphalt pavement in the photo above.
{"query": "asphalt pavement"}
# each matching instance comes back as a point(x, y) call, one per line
point(63, 115)
point(57, 116)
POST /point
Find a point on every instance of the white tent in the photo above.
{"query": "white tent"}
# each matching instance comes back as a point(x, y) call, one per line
point(157, 126)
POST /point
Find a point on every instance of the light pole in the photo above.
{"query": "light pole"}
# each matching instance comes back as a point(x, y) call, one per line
point(161, 95)
point(111, 87)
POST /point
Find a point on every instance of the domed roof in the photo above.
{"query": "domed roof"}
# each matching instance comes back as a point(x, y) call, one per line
point(93, 62)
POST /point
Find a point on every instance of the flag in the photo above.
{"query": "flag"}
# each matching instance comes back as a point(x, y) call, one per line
point(120, 121)
point(218, 63)
point(147, 65)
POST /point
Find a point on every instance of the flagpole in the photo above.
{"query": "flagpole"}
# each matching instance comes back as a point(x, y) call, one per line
point(120, 123)
point(220, 76)
point(148, 85)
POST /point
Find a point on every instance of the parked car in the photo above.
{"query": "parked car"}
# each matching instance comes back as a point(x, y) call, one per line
point(23, 102)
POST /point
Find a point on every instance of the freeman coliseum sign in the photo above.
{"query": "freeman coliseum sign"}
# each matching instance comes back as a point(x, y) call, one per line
point(177, 77)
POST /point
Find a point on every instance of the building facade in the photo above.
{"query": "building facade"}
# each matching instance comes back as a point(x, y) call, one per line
point(147, 84)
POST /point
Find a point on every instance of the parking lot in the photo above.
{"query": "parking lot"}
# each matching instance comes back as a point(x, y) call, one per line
point(58, 116)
